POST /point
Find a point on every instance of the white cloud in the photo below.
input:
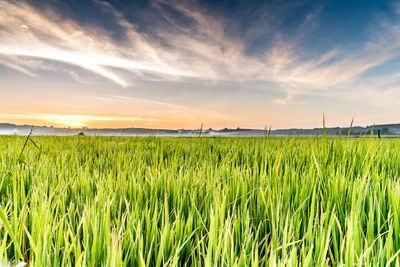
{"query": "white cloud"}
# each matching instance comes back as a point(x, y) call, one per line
point(203, 51)
point(128, 99)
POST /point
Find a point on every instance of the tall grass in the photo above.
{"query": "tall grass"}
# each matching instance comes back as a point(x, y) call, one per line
point(115, 201)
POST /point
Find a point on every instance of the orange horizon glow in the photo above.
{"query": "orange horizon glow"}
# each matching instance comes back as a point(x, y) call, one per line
point(101, 121)
point(77, 121)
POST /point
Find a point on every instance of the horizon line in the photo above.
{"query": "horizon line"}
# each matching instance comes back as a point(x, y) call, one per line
point(200, 128)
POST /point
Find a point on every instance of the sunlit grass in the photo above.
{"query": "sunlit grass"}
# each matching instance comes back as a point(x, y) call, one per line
point(117, 201)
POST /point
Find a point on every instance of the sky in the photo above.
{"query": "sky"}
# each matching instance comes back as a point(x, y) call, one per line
point(181, 64)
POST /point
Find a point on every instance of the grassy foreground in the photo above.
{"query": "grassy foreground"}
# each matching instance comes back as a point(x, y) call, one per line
point(114, 201)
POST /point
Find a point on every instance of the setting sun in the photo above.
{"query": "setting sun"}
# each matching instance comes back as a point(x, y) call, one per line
point(73, 121)
point(57, 120)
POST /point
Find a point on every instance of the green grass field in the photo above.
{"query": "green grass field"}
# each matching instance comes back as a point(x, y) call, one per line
point(119, 201)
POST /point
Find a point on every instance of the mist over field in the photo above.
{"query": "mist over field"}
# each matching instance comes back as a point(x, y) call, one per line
point(389, 130)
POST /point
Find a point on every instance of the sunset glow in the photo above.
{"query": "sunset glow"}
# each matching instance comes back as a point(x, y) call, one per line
point(73, 121)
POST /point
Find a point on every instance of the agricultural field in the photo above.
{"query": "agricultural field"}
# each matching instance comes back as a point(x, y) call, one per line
point(156, 201)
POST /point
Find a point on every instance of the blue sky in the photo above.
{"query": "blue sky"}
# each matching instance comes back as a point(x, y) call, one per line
point(180, 64)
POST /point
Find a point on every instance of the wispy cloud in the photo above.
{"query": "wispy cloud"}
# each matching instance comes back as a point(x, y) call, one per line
point(129, 99)
point(26, 31)
point(202, 51)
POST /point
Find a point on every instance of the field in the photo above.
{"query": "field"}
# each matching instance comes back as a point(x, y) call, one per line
point(120, 201)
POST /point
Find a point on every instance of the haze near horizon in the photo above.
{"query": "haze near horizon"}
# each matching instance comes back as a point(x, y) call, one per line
point(181, 64)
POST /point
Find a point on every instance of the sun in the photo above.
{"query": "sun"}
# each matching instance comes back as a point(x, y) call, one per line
point(73, 121)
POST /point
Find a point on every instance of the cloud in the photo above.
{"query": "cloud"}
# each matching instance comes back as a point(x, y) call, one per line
point(200, 50)
point(127, 99)
point(18, 64)
point(27, 32)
